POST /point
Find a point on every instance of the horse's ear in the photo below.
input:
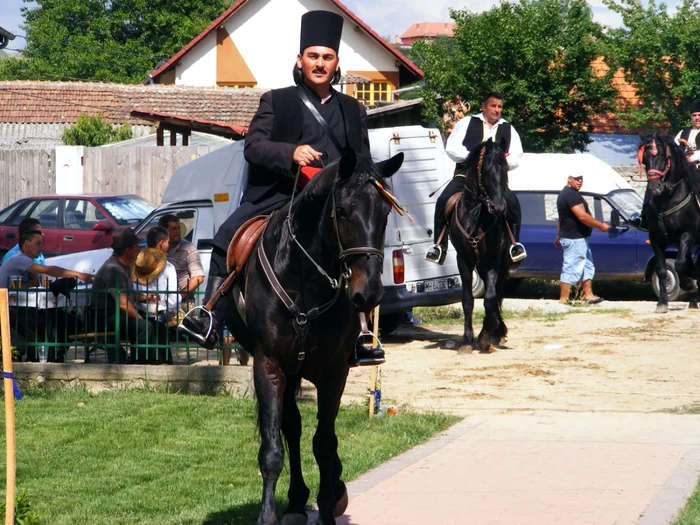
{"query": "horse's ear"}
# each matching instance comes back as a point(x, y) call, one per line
point(645, 136)
point(348, 161)
point(503, 145)
point(390, 166)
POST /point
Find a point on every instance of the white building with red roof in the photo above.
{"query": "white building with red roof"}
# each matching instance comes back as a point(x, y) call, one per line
point(254, 43)
point(426, 31)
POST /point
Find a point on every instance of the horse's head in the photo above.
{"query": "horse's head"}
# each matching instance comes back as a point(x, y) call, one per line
point(487, 169)
point(360, 209)
point(662, 160)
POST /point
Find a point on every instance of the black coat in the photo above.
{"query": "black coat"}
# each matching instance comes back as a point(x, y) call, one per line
point(280, 125)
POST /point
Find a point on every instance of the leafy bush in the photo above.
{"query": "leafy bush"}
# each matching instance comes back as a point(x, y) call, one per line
point(24, 515)
point(94, 131)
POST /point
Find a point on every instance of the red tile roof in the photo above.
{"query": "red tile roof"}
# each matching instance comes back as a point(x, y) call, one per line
point(410, 66)
point(429, 29)
point(627, 97)
point(64, 102)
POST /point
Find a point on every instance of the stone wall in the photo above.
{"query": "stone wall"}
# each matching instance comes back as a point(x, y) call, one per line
point(191, 379)
point(629, 173)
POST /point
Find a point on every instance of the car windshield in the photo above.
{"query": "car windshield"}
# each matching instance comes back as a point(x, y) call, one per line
point(627, 201)
point(127, 210)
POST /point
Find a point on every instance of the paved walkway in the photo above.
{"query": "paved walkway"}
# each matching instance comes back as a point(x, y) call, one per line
point(540, 469)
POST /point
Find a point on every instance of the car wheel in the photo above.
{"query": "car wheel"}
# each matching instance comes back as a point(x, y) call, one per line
point(672, 284)
point(478, 286)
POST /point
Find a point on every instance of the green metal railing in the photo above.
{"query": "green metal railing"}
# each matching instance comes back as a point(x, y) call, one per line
point(85, 326)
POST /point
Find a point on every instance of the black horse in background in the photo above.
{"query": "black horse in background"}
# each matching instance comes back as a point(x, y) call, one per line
point(318, 263)
point(672, 211)
point(478, 233)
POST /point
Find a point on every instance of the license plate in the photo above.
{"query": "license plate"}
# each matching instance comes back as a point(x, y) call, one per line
point(435, 285)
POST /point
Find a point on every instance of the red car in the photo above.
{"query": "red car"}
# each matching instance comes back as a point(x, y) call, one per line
point(73, 223)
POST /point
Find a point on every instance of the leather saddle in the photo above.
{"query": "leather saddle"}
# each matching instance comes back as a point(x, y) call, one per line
point(243, 243)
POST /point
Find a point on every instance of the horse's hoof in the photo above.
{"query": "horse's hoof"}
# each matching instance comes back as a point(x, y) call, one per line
point(294, 519)
point(341, 505)
point(662, 309)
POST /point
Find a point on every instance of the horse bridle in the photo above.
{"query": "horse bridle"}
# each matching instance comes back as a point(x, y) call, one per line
point(653, 174)
point(301, 319)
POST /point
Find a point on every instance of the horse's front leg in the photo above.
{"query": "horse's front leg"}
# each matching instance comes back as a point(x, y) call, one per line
point(661, 273)
point(332, 494)
point(466, 273)
point(298, 493)
point(491, 312)
point(684, 262)
point(270, 385)
point(499, 337)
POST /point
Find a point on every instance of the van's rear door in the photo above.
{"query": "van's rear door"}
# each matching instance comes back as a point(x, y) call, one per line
point(425, 169)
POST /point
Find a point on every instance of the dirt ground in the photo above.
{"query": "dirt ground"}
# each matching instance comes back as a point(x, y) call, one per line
point(616, 356)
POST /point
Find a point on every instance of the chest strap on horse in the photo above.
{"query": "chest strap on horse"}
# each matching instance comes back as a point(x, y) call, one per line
point(301, 319)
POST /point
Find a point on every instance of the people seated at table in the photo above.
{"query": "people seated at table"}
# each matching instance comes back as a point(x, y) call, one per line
point(184, 257)
point(29, 324)
point(28, 224)
point(23, 269)
point(117, 303)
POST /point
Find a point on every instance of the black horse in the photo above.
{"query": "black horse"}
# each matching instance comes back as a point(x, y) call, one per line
point(672, 211)
point(318, 263)
point(478, 233)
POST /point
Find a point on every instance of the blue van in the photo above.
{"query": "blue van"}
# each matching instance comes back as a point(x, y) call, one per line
point(623, 253)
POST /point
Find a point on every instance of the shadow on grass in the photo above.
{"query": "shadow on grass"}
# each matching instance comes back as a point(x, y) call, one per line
point(239, 515)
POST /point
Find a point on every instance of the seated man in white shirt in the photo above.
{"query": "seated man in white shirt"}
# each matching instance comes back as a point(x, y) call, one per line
point(155, 282)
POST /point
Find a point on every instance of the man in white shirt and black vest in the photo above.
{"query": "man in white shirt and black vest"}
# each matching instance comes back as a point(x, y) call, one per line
point(690, 139)
point(466, 134)
point(283, 137)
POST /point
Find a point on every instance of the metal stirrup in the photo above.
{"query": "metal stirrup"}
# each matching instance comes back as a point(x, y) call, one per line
point(517, 258)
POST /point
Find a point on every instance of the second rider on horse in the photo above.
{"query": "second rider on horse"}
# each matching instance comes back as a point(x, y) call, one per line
point(298, 128)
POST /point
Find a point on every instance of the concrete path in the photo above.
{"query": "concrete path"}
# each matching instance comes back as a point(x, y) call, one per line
point(540, 469)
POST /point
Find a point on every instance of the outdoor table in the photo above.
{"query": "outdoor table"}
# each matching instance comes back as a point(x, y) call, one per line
point(43, 298)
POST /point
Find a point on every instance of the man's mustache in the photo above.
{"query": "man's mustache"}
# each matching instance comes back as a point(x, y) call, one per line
point(322, 70)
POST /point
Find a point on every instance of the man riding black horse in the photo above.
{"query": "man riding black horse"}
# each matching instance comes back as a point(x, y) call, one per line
point(467, 133)
point(687, 137)
point(298, 128)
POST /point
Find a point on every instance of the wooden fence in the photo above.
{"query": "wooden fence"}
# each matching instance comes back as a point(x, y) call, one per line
point(26, 172)
point(144, 171)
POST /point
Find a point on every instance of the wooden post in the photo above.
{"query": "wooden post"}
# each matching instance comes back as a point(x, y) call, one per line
point(9, 407)
point(373, 372)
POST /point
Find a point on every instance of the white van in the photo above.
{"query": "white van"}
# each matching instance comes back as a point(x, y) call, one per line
point(204, 192)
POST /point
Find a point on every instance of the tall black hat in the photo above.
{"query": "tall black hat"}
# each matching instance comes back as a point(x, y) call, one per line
point(695, 106)
point(320, 28)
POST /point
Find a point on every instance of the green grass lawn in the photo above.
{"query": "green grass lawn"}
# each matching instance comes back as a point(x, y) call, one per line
point(156, 458)
point(690, 515)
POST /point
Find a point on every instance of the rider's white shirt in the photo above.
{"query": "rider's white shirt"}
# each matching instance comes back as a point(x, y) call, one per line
point(695, 157)
point(457, 152)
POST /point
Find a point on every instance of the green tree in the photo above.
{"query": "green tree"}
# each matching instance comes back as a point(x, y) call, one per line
point(538, 53)
point(106, 40)
point(94, 131)
point(660, 55)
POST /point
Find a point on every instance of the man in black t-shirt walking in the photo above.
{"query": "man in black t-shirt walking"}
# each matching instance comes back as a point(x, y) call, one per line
point(574, 227)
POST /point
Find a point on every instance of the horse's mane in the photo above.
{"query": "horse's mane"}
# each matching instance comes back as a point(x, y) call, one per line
point(473, 157)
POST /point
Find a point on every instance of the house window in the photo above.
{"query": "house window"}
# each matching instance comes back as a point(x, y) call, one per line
point(371, 93)
point(237, 84)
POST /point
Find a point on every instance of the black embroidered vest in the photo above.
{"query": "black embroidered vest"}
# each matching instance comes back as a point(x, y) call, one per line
point(475, 135)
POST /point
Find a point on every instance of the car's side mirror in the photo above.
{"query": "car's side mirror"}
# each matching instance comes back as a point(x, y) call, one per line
point(101, 226)
point(615, 218)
